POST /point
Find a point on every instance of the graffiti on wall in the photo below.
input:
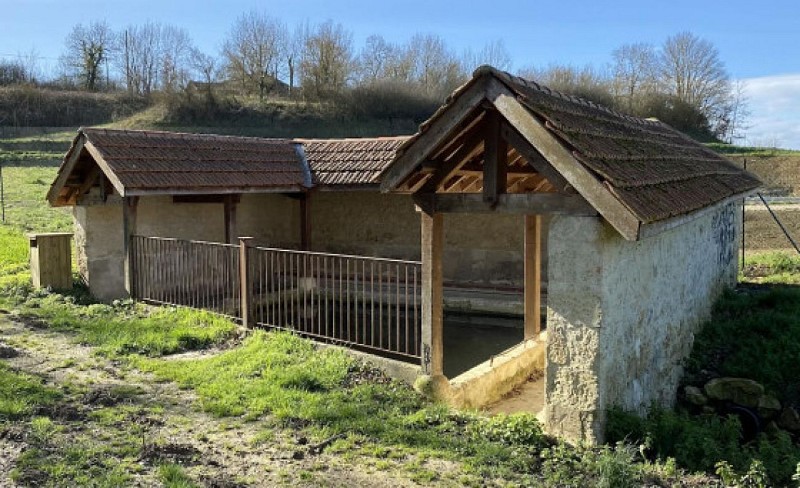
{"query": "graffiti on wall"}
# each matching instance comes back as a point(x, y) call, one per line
point(724, 229)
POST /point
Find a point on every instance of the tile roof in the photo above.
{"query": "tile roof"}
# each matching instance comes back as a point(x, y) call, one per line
point(349, 161)
point(151, 160)
point(654, 170)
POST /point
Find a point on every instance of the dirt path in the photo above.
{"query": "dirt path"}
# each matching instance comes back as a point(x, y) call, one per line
point(215, 452)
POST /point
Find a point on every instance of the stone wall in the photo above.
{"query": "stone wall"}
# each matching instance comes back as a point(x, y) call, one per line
point(99, 249)
point(483, 249)
point(622, 315)
point(480, 249)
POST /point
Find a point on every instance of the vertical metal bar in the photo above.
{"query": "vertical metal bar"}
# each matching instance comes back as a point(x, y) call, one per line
point(417, 325)
point(347, 293)
point(341, 301)
point(372, 301)
point(381, 296)
point(397, 308)
point(405, 302)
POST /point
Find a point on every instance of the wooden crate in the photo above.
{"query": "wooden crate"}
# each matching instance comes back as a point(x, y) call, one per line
point(51, 260)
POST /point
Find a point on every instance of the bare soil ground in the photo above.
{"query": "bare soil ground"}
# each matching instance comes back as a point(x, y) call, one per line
point(217, 452)
point(763, 234)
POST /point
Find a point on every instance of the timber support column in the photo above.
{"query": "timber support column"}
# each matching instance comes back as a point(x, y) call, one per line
point(432, 230)
point(129, 205)
point(533, 276)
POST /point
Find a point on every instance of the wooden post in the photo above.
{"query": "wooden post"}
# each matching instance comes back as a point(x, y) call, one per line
point(495, 164)
point(129, 206)
point(533, 276)
point(432, 227)
point(230, 218)
point(305, 222)
point(245, 283)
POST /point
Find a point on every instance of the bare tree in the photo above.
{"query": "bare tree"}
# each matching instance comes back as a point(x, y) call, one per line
point(734, 123)
point(176, 49)
point(293, 51)
point(434, 66)
point(254, 50)
point(691, 71)
point(586, 82)
point(635, 73)
point(494, 54)
point(87, 50)
point(327, 60)
point(141, 55)
point(375, 59)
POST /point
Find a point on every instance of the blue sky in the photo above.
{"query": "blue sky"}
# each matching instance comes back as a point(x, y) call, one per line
point(758, 41)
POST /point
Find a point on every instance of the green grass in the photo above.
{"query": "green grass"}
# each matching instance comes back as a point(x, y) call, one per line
point(297, 385)
point(730, 149)
point(754, 335)
point(173, 476)
point(126, 328)
point(21, 394)
point(772, 268)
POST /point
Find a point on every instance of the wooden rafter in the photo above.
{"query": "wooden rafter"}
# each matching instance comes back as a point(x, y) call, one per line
point(495, 160)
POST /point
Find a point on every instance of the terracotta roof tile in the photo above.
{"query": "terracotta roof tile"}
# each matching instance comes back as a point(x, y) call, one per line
point(654, 170)
point(145, 160)
point(349, 161)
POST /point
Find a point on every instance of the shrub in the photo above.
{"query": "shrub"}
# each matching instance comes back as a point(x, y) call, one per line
point(700, 443)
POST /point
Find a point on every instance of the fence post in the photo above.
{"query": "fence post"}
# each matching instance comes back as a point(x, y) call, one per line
point(245, 284)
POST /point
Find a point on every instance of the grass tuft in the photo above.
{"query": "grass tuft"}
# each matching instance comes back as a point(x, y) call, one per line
point(22, 394)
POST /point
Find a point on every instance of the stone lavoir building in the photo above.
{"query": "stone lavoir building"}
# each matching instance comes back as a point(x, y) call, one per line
point(593, 242)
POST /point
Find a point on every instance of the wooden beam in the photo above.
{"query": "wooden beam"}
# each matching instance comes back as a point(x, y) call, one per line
point(100, 161)
point(65, 171)
point(512, 203)
point(439, 129)
point(129, 207)
point(89, 181)
point(447, 169)
point(200, 198)
point(465, 132)
point(305, 222)
point(432, 231)
point(534, 159)
point(495, 160)
point(533, 276)
point(575, 173)
point(229, 208)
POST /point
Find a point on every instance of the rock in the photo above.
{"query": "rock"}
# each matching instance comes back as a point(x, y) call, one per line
point(789, 419)
point(709, 410)
point(772, 428)
point(7, 352)
point(694, 396)
point(742, 391)
point(768, 406)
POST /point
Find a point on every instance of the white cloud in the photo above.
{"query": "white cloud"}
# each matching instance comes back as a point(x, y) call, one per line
point(774, 103)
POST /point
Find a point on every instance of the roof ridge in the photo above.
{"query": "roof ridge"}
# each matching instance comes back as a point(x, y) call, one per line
point(545, 90)
point(351, 139)
point(183, 135)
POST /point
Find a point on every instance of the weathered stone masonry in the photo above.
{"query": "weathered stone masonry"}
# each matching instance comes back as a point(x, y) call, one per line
point(622, 315)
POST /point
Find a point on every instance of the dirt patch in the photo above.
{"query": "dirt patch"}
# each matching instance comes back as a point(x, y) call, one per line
point(215, 452)
point(762, 233)
point(7, 352)
point(183, 454)
point(780, 174)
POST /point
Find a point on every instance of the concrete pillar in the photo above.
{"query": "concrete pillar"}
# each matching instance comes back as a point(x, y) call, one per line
point(574, 400)
point(100, 251)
